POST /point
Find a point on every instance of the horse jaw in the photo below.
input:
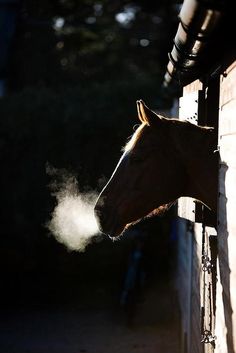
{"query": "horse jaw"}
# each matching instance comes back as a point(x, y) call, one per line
point(160, 211)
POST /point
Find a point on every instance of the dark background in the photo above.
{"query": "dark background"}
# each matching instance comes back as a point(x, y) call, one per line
point(69, 100)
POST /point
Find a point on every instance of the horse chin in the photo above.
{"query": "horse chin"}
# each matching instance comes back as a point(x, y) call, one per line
point(120, 230)
point(116, 232)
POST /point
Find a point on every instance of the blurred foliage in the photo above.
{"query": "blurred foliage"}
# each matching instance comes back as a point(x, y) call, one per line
point(77, 68)
point(70, 41)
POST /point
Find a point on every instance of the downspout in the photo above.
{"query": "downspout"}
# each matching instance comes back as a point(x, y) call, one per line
point(199, 20)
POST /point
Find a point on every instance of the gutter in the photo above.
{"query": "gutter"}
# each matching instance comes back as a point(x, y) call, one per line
point(194, 44)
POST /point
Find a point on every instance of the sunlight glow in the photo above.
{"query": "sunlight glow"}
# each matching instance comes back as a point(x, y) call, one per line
point(90, 20)
point(144, 42)
point(58, 23)
point(127, 15)
point(98, 9)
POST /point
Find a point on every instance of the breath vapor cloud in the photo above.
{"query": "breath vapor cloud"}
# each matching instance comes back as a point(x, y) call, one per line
point(72, 221)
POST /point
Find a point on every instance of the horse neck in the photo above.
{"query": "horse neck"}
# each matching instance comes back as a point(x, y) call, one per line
point(195, 149)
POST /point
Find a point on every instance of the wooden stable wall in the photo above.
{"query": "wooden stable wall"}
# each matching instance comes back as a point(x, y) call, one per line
point(206, 274)
point(208, 297)
point(188, 284)
point(196, 281)
point(226, 285)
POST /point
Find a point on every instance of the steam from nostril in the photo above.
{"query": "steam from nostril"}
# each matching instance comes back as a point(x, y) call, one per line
point(72, 221)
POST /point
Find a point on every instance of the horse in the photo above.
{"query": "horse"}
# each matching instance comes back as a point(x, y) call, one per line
point(164, 159)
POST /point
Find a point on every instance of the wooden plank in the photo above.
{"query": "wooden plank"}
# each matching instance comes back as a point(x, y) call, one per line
point(184, 276)
point(193, 87)
point(196, 291)
point(186, 208)
point(226, 285)
point(188, 107)
point(188, 110)
point(228, 87)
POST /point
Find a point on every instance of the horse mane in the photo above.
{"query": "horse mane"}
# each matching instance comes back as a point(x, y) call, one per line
point(133, 138)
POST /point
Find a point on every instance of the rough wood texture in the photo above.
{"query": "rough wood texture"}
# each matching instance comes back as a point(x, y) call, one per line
point(188, 110)
point(226, 286)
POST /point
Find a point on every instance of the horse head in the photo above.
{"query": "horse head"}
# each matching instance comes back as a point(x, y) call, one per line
point(147, 178)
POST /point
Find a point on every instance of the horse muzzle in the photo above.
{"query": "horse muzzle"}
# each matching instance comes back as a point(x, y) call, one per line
point(107, 221)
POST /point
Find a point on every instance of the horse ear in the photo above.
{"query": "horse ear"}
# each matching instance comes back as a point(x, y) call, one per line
point(145, 114)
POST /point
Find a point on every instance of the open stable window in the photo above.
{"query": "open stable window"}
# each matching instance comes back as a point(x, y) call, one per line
point(196, 106)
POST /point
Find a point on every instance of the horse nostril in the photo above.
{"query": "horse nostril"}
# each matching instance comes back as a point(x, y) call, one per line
point(99, 206)
point(98, 214)
point(102, 213)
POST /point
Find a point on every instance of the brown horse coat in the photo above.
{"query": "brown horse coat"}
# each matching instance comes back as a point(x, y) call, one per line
point(164, 160)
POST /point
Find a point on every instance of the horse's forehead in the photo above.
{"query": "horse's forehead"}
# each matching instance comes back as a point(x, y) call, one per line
point(137, 138)
point(122, 160)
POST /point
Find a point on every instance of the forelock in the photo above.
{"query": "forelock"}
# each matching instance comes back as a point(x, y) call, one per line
point(133, 139)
